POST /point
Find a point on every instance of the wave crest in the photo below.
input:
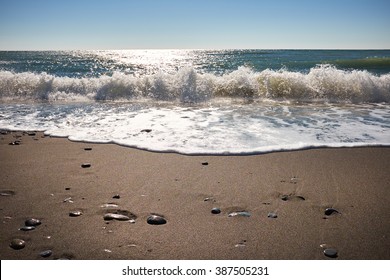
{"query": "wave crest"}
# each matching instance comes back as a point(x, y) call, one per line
point(324, 82)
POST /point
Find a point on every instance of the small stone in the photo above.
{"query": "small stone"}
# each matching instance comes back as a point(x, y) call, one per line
point(15, 143)
point(290, 197)
point(31, 133)
point(46, 253)
point(272, 215)
point(32, 222)
point(109, 205)
point(331, 253)
point(67, 189)
point(117, 196)
point(68, 199)
point(27, 228)
point(205, 163)
point(114, 216)
point(331, 211)
point(88, 149)
point(156, 220)
point(75, 213)
point(146, 130)
point(17, 244)
point(216, 211)
point(86, 165)
point(239, 213)
point(7, 193)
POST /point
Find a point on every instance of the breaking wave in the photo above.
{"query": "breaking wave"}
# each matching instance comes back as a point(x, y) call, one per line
point(321, 83)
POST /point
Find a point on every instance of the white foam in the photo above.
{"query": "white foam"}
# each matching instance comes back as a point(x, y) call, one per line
point(235, 128)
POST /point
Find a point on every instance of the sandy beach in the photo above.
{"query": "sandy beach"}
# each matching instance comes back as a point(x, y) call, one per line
point(280, 200)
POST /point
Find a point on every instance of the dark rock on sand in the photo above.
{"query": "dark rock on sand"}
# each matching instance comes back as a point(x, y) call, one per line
point(46, 253)
point(32, 222)
point(331, 211)
point(88, 149)
point(272, 215)
point(146, 130)
point(17, 244)
point(216, 211)
point(85, 165)
point(115, 216)
point(7, 193)
point(156, 220)
point(239, 213)
point(75, 213)
point(331, 253)
point(205, 163)
point(117, 196)
point(290, 197)
point(27, 228)
point(15, 143)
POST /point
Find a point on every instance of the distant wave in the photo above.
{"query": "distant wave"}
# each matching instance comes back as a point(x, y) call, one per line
point(321, 83)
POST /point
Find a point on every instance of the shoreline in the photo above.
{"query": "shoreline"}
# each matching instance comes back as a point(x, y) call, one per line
point(296, 186)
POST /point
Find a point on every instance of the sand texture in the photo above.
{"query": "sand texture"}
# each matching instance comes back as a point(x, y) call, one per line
point(94, 204)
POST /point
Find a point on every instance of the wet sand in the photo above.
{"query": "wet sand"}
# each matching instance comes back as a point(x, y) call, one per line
point(282, 198)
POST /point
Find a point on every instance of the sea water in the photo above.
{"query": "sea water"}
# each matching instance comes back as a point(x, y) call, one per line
point(201, 101)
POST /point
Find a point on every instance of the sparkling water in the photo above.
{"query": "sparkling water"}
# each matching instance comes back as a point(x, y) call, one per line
point(201, 102)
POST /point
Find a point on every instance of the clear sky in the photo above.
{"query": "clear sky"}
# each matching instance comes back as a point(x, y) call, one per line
point(129, 24)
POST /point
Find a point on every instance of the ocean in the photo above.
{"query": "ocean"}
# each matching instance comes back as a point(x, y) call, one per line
point(201, 101)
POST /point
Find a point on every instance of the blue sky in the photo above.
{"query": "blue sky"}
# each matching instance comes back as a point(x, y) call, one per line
point(129, 24)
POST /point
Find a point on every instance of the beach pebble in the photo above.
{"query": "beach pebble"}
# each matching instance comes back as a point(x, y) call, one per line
point(331, 211)
point(146, 130)
point(88, 149)
point(15, 143)
point(68, 199)
point(114, 216)
point(85, 165)
point(32, 222)
point(215, 210)
point(286, 197)
point(7, 193)
point(27, 228)
point(109, 205)
point(205, 163)
point(272, 215)
point(75, 213)
point(46, 253)
point(331, 253)
point(17, 244)
point(156, 220)
point(117, 196)
point(239, 213)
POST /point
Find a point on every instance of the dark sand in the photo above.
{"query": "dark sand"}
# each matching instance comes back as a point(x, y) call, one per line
point(44, 171)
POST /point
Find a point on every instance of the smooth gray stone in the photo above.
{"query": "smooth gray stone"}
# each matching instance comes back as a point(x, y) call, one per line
point(272, 215)
point(331, 211)
point(75, 213)
point(331, 253)
point(215, 210)
point(239, 213)
point(17, 244)
point(86, 165)
point(7, 193)
point(156, 220)
point(27, 228)
point(46, 253)
point(32, 222)
point(113, 216)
